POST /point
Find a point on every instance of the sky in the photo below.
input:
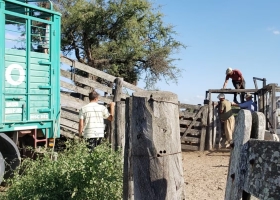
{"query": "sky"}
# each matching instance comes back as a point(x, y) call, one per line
point(241, 34)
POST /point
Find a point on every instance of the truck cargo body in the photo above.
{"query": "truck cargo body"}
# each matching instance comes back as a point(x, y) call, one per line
point(30, 80)
point(30, 71)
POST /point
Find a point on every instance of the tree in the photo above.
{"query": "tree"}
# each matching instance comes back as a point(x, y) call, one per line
point(125, 38)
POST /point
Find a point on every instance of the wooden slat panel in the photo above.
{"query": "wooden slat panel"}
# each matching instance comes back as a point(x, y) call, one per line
point(187, 114)
point(69, 101)
point(88, 69)
point(190, 139)
point(107, 100)
point(189, 106)
point(191, 131)
point(71, 109)
point(232, 91)
point(98, 73)
point(74, 88)
point(85, 92)
point(189, 147)
point(69, 115)
point(66, 128)
point(132, 87)
point(187, 122)
point(86, 81)
point(68, 134)
point(68, 123)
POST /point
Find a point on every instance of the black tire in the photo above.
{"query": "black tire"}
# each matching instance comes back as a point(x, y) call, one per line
point(2, 167)
point(10, 153)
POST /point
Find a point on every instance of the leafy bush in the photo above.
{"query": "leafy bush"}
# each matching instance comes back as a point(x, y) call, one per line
point(77, 174)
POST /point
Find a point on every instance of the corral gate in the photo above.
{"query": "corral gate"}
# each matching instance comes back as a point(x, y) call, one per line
point(193, 123)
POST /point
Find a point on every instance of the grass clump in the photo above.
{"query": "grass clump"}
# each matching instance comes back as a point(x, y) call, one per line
point(76, 174)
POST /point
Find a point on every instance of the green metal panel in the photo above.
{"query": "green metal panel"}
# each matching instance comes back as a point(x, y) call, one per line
point(55, 81)
point(31, 68)
point(2, 52)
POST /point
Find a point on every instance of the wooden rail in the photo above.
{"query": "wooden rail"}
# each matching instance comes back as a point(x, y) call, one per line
point(71, 98)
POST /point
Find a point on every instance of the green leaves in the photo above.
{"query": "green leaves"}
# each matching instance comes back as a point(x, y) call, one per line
point(77, 174)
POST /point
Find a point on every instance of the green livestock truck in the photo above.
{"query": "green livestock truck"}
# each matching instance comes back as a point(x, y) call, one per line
point(30, 82)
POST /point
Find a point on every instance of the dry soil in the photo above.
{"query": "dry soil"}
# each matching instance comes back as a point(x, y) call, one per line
point(205, 174)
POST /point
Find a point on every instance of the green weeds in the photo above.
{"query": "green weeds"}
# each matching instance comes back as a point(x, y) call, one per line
point(76, 174)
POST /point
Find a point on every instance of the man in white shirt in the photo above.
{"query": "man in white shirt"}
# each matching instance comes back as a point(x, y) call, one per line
point(91, 120)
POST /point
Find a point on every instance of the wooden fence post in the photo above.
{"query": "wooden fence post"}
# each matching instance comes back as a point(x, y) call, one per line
point(120, 125)
point(203, 128)
point(209, 136)
point(156, 147)
point(217, 127)
point(128, 162)
point(241, 136)
point(273, 108)
point(257, 132)
point(248, 125)
point(214, 129)
point(117, 92)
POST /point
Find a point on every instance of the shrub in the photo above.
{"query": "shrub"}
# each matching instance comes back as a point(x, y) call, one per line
point(77, 174)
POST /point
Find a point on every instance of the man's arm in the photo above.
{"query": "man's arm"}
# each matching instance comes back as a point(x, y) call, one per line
point(241, 105)
point(112, 111)
point(81, 123)
point(221, 107)
point(225, 83)
point(81, 127)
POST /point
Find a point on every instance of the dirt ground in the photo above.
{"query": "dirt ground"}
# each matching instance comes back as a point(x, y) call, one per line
point(205, 174)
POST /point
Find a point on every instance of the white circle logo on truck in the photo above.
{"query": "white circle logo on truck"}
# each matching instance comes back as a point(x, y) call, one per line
point(8, 74)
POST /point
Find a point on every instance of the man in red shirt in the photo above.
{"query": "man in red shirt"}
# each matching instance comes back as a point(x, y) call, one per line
point(238, 82)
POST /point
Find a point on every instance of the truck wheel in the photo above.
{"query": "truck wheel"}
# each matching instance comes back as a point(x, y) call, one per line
point(2, 167)
point(10, 153)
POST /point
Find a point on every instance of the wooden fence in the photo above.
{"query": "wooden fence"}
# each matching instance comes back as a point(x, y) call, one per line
point(193, 118)
point(193, 126)
point(74, 97)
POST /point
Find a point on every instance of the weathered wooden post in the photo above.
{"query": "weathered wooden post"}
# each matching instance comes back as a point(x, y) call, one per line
point(218, 124)
point(262, 177)
point(128, 193)
point(215, 122)
point(156, 148)
point(203, 128)
point(209, 137)
point(241, 136)
point(247, 125)
point(119, 125)
point(118, 113)
point(273, 107)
